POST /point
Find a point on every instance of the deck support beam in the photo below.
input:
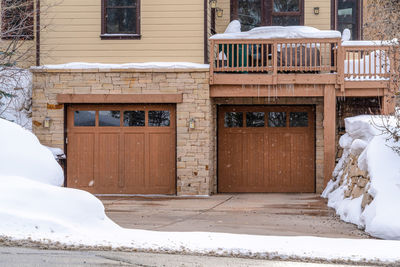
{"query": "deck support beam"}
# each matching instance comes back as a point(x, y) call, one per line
point(329, 131)
point(388, 103)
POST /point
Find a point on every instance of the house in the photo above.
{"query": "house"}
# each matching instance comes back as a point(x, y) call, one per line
point(264, 116)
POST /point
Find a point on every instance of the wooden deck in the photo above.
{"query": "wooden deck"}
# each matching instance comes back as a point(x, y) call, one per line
point(250, 67)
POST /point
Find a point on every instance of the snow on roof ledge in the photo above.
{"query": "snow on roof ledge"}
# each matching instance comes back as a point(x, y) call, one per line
point(279, 32)
point(153, 66)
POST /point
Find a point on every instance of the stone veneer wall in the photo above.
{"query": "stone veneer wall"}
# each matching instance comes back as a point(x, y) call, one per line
point(319, 111)
point(195, 148)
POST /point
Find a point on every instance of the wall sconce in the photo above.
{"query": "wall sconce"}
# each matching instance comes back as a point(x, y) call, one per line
point(192, 124)
point(220, 12)
point(46, 122)
point(213, 3)
point(316, 10)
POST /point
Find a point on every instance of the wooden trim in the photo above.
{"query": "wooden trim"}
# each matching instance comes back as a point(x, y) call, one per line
point(266, 91)
point(265, 79)
point(119, 98)
point(37, 32)
point(206, 61)
point(329, 132)
point(105, 36)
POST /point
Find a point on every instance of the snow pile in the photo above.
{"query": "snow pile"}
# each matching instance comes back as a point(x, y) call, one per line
point(46, 213)
point(17, 108)
point(21, 154)
point(147, 65)
point(372, 200)
point(277, 32)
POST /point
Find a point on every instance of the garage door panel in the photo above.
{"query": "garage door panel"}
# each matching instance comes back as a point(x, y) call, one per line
point(253, 159)
point(273, 150)
point(134, 160)
point(231, 160)
point(82, 157)
point(160, 172)
point(108, 161)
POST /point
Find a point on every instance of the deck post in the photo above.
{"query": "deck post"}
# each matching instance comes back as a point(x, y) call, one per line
point(329, 131)
point(388, 102)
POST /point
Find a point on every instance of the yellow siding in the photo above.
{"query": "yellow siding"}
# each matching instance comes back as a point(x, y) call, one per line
point(171, 30)
point(221, 23)
point(321, 21)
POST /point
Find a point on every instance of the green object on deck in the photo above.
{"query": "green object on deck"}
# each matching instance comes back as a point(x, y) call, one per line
point(236, 54)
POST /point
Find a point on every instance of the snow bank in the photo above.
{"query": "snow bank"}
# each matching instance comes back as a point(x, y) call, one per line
point(18, 83)
point(147, 65)
point(379, 166)
point(46, 213)
point(278, 32)
point(21, 154)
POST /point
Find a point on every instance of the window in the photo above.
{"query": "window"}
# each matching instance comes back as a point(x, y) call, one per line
point(233, 119)
point(255, 13)
point(17, 19)
point(159, 118)
point(277, 119)
point(84, 118)
point(134, 118)
point(348, 17)
point(109, 118)
point(120, 19)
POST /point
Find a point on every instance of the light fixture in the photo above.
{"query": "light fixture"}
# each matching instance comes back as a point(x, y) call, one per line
point(220, 12)
point(316, 10)
point(213, 3)
point(46, 122)
point(192, 123)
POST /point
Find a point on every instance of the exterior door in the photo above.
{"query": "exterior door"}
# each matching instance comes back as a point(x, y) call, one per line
point(121, 149)
point(255, 13)
point(266, 149)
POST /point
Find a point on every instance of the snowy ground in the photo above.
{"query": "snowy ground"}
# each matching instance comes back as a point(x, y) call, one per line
point(33, 207)
point(364, 137)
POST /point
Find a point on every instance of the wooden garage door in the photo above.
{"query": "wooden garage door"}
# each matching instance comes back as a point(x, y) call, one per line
point(121, 149)
point(266, 149)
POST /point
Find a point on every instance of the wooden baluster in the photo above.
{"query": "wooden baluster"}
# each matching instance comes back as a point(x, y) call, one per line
point(262, 58)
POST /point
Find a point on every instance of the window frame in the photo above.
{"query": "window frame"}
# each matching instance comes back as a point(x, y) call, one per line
point(268, 13)
point(359, 18)
point(30, 29)
point(107, 36)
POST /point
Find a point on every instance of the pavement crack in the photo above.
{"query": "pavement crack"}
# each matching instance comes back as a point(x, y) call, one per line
point(192, 216)
point(119, 260)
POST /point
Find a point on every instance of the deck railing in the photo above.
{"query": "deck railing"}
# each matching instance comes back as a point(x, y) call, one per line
point(366, 61)
point(352, 61)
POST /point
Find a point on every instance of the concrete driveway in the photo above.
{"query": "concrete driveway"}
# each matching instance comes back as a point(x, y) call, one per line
point(261, 214)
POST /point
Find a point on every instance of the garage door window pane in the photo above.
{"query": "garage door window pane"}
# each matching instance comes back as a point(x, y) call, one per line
point(109, 118)
point(233, 119)
point(84, 118)
point(298, 119)
point(159, 118)
point(134, 118)
point(277, 119)
point(255, 119)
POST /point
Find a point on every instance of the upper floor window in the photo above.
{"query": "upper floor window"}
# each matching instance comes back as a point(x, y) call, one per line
point(120, 19)
point(255, 13)
point(348, 17)
point(17, 19)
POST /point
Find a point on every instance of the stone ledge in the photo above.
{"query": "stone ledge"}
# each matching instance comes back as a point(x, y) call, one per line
point(116, 70)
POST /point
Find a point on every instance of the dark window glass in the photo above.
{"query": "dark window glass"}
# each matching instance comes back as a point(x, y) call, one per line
point(277, 119)
point(347, 17)
point(159, 118)
point(109, 118)
point(255, 119)
point(121, 16)
point(233, 119)
point(286, 5)
point(249, 13)
point(17, 19)
point(84, 118)
point(298, 119)
point(134, 118)
point(285, 20)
